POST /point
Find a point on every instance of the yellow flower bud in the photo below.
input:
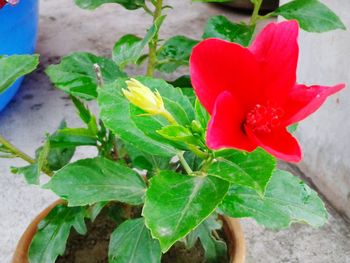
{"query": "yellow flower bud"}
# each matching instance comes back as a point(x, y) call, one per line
point(147, 100)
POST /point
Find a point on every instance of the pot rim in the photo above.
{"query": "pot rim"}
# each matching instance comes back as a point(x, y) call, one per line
point(232, 228)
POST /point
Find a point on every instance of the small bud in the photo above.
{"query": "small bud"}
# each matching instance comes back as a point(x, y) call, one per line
point(147, 100)
point(196, 127)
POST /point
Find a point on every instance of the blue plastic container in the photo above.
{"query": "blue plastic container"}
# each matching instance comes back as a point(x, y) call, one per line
point(18, 35)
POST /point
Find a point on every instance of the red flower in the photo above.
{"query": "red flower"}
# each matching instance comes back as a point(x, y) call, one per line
point(251, 93)
point(2, 3)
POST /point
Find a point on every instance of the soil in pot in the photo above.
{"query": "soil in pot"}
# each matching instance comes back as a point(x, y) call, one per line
point(93, 247)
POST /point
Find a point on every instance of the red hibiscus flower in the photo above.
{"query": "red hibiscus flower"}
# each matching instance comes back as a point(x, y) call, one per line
point(11, 2)
point(2, 3)
point(251, 93)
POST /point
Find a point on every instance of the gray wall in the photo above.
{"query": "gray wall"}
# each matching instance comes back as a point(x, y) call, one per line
point(325, 136)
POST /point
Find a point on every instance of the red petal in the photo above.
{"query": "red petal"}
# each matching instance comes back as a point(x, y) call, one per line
point(226, 124)
point(276, 48)
point(279, 143)
point(2, 3)
point(217, 65)
point(304, 100)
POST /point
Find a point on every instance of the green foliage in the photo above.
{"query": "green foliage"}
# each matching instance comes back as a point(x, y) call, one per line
point(92, 4)
point(182, 82)
point(128, 122)
point(30, 172)
point(252, 170)
point(75, 74)
point(176, 207)
point(89, 181)
point(201, 114)
point(54, 158)
point(312, 15)
point(13, 67)
point(221, 27)
point(293, 128)
point(174, 53)
point(178, 133)
point(47, 158)
point(72, 137)
point(50, 240)
point(175, 204)
point(132, 242)
point(214, 248)
point(149, 162)
point(287, 200)
point(130, 48)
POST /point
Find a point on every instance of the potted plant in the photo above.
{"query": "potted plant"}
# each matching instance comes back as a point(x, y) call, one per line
point(18, 34)
point(175, 163)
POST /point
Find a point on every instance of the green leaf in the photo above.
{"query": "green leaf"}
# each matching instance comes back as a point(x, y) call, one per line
point(59, 157)
point(215, 249)
point(50, 240)
point(31, 173)
point(130, 47)
point(221, 27)
point(175, 204)
point(75, 74)
point(201, 114)
point(83, 111)
point(178, 133)
point(132, 242)
point(92, 4)
point(140, 131)
point(312, 15)
point(53, 158)
point(293, 128)
point(174, 53)
point(182, 82)
point(150, 162)
point(252, 170)
point(287, 200)
point(89, 181)
point(72, 137)
point(42, 154)
point(127, 49)
point(95, 210)
point(13, 67)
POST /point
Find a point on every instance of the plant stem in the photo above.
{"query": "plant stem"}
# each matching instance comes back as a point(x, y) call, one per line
point(198, 152)
point(166, 114)
point(153, 44)
point(184, 163)
point(255, 15)
point(98, 73)
point(16, 151)
point(147, 10)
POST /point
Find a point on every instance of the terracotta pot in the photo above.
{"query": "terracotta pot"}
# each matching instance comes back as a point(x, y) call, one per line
point(232, 229)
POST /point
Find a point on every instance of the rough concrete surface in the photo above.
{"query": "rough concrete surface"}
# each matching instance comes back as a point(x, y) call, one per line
point(38, 108)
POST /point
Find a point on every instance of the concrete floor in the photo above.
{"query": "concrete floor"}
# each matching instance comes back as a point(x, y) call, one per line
point(38, 108)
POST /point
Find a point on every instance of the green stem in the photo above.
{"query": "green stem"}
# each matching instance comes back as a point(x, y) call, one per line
point(16, 151)
point(147, 10)
point(196, 151)
point(207, 163)
point(184, 163)
point(153, 44)
point(255, 15)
